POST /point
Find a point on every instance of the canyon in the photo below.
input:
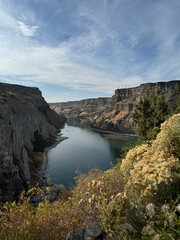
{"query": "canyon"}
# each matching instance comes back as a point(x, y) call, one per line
point(28, 124)
point(115, 113)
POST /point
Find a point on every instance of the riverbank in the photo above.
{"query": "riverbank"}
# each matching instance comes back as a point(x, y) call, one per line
point(114, 133)
point(46, 177)
point(78, 124)
point(40, 176)
point(58, 140)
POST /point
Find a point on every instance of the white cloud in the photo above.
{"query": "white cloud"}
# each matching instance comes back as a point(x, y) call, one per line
point(106, 54)
point(27, 30)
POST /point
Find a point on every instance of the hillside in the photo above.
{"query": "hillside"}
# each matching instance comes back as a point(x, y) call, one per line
point(25, 119)
point(115, 113)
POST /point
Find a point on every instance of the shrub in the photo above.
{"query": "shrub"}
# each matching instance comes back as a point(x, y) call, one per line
point(154, 168)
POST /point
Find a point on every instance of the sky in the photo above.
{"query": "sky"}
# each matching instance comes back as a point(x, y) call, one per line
point(77, 49)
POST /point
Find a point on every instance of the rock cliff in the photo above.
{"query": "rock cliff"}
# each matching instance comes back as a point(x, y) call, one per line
point(23, 114)
point(115, 113)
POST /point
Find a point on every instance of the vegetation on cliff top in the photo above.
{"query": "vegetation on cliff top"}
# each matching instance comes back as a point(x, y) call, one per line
point(151, 111)
point(137, 199)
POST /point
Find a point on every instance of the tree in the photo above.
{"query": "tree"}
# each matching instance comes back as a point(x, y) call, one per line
point(149, 113)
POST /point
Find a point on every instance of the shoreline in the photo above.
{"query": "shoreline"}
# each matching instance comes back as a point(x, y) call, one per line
point(102, 131)
point(58, 140)
point(114, 133)
point(46, 179)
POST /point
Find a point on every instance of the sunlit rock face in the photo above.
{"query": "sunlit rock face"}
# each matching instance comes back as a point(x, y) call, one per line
point(115, 113)
point(23, 112)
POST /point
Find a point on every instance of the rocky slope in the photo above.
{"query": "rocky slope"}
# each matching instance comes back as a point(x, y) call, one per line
point(115, 113)
point(24, 115)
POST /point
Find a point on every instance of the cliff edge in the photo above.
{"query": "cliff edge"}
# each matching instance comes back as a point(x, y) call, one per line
point(115, 113)
point(24, 115)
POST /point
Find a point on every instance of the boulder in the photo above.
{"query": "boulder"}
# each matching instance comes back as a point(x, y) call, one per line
point(92, 232)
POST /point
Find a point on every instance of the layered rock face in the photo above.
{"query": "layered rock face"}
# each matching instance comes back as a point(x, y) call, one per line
point(23, 113)
point(82, 112)
point(171, 87)
point(115, 113)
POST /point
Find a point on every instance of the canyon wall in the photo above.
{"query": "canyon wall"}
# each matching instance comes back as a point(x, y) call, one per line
point(115, 113)
point(23, 114)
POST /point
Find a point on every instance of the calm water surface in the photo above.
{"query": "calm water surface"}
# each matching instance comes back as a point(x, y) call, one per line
point(83, 150)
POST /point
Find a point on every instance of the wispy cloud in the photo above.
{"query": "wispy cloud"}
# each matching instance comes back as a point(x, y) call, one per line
point(94, 46)
point(27, 30)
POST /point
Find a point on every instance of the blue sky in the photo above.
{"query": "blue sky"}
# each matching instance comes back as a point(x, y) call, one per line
point(76, 49)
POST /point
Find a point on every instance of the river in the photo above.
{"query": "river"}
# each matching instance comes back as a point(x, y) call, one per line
point(83, 150)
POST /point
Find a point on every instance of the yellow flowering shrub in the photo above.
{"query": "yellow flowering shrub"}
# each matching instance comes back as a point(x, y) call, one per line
point(100, 195)
point(133, 156)
point(150, 169)
point(169, 130)
point(43, 222)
